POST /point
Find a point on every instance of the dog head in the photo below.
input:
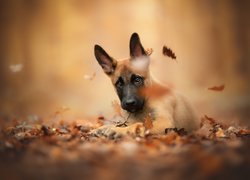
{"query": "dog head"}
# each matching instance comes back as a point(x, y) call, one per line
point(128, 76)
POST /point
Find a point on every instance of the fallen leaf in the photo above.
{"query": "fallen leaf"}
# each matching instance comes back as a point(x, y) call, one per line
point(180, 132)
point(168, 52)
point(217, 88)
point(148, 123)
point(211, 120)
point(243, 132)
point(169, 138)
point(220, 133)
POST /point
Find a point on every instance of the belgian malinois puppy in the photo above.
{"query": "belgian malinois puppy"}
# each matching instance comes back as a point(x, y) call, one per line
point(135, 88)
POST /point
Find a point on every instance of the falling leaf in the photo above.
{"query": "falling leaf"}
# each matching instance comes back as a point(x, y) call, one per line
point(217, 88)
point(148, 123)
point(168, 52)
point(89, 77)
point(149, 51)
point(155, 91)
point(16, 68)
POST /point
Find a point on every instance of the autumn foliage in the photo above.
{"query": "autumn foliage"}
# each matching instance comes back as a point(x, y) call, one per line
point(45, 148)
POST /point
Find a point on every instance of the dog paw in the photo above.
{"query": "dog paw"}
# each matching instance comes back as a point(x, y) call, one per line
point(136, 129)
point(113, 132)
point(108, 131)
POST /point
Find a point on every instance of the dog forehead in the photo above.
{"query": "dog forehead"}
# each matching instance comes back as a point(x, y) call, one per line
point(122, 70)
point(125, 69)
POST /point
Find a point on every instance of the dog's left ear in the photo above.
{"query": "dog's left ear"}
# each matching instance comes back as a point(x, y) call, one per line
point(107, 63)
point(136, 48)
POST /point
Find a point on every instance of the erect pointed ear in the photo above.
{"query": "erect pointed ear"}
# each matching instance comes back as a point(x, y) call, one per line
point(136, 49)
point(107, 63)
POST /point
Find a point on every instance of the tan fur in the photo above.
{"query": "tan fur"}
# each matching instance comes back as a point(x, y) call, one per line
point(169, 111)
point(163, 107)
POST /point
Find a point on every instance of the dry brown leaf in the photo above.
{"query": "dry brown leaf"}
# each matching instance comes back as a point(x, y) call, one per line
point(149, 51)
point(168, 52)
point(217, 88)
point(180, 131)
point(211, 120)
point(169, 138)
point(243, 132)
point(155, 91)
point(148, 123)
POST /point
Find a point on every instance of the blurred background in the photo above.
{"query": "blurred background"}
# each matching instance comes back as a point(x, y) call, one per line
point(47, 59)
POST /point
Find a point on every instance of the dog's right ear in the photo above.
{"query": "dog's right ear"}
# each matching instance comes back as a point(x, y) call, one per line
point(107, 63)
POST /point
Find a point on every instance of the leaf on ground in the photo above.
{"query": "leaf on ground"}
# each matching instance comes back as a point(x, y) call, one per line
point(243, 132)
point(168, 52)
point(220, 133)
point(217, 88)
point(169, 138)
point(180, 131)
point(148, 123)
point(210, 119)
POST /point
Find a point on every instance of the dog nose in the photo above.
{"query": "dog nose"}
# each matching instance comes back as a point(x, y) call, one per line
point(130, 102)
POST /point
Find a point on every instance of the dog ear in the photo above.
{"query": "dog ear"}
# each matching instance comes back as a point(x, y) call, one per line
point(107, 63)
point(136, 48)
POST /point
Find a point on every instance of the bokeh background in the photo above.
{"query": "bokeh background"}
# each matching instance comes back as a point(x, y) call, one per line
point(46, 53)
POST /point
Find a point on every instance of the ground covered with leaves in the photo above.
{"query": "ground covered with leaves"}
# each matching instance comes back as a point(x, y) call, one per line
point(34, 148)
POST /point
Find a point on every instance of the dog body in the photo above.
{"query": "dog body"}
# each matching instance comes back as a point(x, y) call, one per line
point(132, 81)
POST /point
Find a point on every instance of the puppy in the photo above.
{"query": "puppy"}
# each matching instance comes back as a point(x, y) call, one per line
point(141, 96)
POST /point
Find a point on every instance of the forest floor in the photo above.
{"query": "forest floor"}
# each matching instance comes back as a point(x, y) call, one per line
point(35, 148)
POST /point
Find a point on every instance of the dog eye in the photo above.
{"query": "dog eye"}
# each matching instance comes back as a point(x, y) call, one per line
point(138, 81)
point(119, 83)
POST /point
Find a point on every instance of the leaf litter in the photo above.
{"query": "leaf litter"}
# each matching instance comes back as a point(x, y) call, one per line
point(40, 148)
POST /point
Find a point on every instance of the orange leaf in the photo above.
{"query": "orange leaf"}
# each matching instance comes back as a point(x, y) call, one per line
point(244, 132)
point(217, 88)
point(148, 122)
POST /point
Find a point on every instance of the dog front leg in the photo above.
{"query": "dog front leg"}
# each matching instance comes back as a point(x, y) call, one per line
point(160, 125)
